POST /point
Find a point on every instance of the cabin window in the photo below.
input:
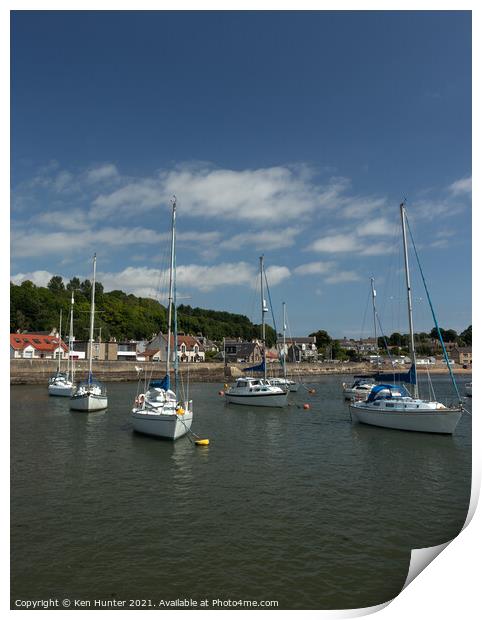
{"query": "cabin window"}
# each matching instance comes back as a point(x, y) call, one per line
point(376, 404)
point(389, 405)
point(242, 384)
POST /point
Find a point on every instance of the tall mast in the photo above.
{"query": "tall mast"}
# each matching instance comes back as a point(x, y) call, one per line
point(284, 340)
point(171, 288)
point(92, 313)
point(409, 298)
point(263, 310)
point(59, 343)
point(71, 339)
point(374, 294)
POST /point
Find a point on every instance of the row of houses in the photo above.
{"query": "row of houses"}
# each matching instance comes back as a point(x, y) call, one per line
point(190, 349)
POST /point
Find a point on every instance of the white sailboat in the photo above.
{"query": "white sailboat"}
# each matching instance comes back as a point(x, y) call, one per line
point(158, 412)
point(392, 406)
point(90, 395)
point(257, 392)
point(362, 384)
point(60, 384)
point(284, 382)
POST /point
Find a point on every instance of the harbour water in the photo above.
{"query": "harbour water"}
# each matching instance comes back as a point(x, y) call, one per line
point(296, 506)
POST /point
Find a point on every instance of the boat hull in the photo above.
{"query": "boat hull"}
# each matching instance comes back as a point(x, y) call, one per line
point(258, 399)
point(61, 390)
point(429, 421)
point(166, 425)
point(88, 402)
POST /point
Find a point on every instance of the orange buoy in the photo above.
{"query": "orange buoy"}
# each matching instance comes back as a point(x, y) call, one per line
point(221, 393)
point(306, 406)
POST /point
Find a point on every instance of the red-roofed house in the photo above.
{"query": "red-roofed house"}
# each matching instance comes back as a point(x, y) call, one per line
point(37, 346)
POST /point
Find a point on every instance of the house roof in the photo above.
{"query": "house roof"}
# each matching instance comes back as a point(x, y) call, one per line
point(149, 352)
point(300, 340)
point(40, 342)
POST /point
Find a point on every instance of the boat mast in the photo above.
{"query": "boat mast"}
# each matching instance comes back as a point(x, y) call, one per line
point(70, 365)
point(171, 288)
point(284, 340)
point(92, 313)
point(409, 298)
point(263, 310)
point(374, 294)
point(59, 343)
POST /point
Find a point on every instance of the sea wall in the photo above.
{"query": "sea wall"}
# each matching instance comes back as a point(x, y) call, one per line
point(25, 371)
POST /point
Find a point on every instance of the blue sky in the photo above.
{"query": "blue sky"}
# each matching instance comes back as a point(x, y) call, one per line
point(291, 134)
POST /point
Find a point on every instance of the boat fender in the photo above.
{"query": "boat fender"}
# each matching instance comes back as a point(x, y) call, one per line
point(140, 399)
point(180, 411)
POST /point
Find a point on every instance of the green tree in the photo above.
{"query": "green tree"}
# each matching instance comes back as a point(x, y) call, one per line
point(56, 284)
point(322, 339)
point(73, 284)
point(466, 336)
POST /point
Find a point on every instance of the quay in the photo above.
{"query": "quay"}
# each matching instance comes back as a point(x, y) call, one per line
point(38, 371)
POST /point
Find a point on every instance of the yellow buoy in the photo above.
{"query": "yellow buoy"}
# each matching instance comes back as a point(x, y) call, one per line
point(180, 411)
point(202, 442)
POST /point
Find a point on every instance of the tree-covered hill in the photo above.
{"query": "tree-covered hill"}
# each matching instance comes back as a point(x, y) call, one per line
point(118, 314)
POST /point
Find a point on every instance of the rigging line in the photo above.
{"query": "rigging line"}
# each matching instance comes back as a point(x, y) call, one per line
point(433, 314)
point(271, 304)
point(384, 337)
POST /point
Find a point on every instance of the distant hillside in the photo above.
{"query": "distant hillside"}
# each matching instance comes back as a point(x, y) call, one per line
point(123, 316)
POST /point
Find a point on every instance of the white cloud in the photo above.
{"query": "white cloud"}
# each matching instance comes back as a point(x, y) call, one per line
point(145, 281)
point(317, 267)
point(378, 226)
point(102, 173)
point(342, 277)
point(264, 239)
point(337, 243)
point(462, 186)
point(359, 206)
point(39, 278)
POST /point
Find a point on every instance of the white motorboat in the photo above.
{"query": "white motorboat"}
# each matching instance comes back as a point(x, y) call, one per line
point(392, 406)
point(159, 412)
point(285, 384)
point(359, 389)
point(468, 388)
point(90, 395)
point(256, 393)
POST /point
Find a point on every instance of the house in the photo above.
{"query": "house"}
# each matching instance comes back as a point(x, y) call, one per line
point(242, 351)
point(206, 343)
point(463, 355)
point(301, 349)
point(101, 351)
point(189, 349)
point(149, 355)
point(127, 351)
point(37, 346)
point(364, 345)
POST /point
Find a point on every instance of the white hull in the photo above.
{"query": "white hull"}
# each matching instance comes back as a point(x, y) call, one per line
point(424, 421)
point(88, 402)
point(61, 390)
point(258, 400)
point(167, 425)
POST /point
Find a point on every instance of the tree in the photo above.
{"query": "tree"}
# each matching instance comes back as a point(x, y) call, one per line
point(466, 336)
point(322, 338)
point(56, 284)
point(73, 284)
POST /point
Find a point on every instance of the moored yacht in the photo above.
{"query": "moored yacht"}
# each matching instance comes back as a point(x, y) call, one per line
point(62, 383)
point(359, 389)
point(159, 412)
point(257, 393)
point(392, 406)
point(90, 395)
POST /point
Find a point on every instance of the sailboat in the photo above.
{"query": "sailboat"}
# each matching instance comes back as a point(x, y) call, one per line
point(284, 382)
point(158, 412)
point(90, 395)
point(60, 384)
point(257, 392)
point(363, 384)
point(392, 406)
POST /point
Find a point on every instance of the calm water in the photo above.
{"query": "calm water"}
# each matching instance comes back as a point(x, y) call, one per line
point(290, 505)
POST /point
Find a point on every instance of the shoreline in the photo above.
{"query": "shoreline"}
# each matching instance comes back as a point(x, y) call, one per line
point(31, 372)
